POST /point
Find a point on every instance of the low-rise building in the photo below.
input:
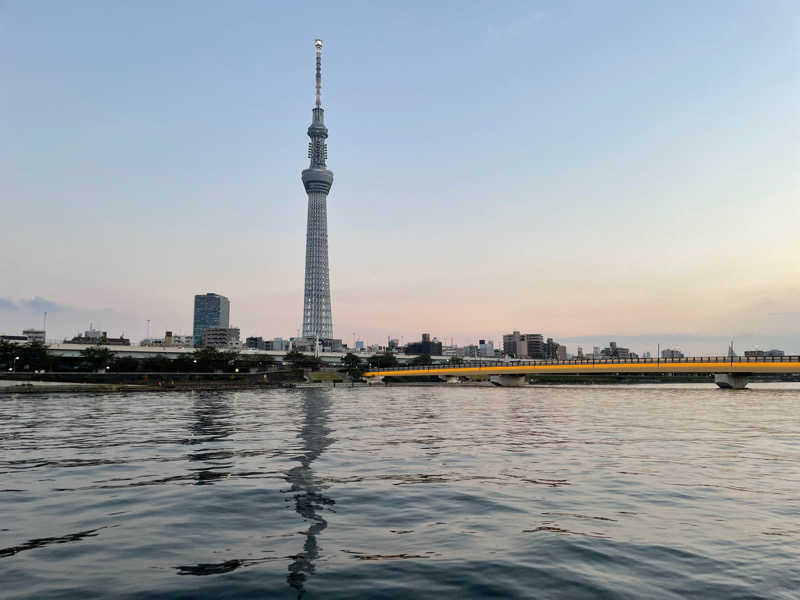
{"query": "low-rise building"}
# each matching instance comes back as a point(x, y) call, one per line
point(221, 337)
point(486, 348)
point(94, 337)
point(34, 335)
point(256, 343)
point(426, 346)
point(614, 351)
point(671, 353)
point(758, 353)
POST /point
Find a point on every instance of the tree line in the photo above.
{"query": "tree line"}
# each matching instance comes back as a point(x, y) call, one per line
point(35, 356)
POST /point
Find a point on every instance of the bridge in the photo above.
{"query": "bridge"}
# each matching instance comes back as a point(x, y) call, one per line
point(729, 372)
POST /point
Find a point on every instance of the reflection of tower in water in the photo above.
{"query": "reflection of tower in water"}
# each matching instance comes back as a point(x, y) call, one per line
point(308, 497)
point(212, 423)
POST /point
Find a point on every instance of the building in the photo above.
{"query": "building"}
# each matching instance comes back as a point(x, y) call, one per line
point(580, 352)
point(759, 353)
point(169, 339)
point(426, 346)
point(359, 346)
point(256, 343)
point(210, 310)
point(304, 344)
point(614, 351)
point(94, 337)
point(485, 348)
point(221, 337)
point(524, 345)
point(671, 353)
point(452, 350)
point(317, 180)
point(279, 344)
point(34, 335)
point(554, 351)
point(14, 339)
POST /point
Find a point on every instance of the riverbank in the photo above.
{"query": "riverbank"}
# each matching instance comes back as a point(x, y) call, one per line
point(13, 383)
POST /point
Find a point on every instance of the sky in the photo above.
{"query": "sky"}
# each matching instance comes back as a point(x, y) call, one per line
point(588, 171)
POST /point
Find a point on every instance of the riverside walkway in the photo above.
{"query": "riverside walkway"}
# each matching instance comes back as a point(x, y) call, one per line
point(729, 372)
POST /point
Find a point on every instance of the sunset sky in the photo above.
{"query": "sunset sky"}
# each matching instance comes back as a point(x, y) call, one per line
point(588, 171)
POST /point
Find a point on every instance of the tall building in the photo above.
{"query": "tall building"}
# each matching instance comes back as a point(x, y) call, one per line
point(210, 310)
point(523, 345)
point(317, 179)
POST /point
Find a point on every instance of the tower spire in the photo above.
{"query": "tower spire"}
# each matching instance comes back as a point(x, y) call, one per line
point(318, 46)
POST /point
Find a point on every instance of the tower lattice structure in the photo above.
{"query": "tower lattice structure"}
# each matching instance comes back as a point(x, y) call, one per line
point(317, 179)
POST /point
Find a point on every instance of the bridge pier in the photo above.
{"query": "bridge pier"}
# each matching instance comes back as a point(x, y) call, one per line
point(450, 379)
point(508, 380)
point(731, 381)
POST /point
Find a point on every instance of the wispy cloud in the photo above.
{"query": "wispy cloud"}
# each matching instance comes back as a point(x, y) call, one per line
point(36, 304)
point(513, 30)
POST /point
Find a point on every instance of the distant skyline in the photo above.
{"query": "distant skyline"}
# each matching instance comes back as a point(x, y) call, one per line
point(624, 171)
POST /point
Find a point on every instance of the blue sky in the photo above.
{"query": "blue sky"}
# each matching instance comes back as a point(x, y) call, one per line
point(574, 169)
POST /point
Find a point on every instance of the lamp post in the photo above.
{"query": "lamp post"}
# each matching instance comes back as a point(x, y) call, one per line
point(14, 364)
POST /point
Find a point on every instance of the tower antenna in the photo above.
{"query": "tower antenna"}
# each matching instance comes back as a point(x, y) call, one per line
point(318, 46)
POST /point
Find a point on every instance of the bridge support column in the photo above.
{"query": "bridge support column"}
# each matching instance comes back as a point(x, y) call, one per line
point(508, 380)
point(730, 381)
point(450, 379)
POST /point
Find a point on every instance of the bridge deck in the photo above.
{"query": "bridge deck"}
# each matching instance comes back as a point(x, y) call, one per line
point(704, 364)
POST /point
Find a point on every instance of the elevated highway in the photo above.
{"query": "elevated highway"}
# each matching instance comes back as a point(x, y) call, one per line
point(729, 372)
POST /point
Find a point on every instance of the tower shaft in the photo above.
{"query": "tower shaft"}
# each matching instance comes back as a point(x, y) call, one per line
point(317, 180)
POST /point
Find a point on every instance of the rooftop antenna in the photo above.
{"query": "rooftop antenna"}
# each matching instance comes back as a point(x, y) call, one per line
point(318, 46)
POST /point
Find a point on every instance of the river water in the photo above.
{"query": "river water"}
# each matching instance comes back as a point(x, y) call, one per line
point(403, 492)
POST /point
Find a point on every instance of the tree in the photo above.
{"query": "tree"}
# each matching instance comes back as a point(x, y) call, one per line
point(126, 364)
point(254, 361)
point(7, 353)
point(98, 357)
point(32, 357)
point(207, 359)
point(157, 364)
point(302, 361)
point(183, 364)
point(352, 365)
point(422, 360)
point(383, 361)
point(456, 360)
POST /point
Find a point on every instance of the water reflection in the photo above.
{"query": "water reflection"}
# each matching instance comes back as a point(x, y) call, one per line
point(308, 493)
point(213, 422)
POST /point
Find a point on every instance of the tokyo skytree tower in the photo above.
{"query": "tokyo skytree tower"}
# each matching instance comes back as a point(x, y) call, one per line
point(317, 179)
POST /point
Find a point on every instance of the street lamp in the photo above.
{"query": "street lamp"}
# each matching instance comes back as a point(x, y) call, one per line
point(14, 364)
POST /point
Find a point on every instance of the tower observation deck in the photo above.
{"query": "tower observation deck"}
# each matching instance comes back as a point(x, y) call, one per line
point(317, 179)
